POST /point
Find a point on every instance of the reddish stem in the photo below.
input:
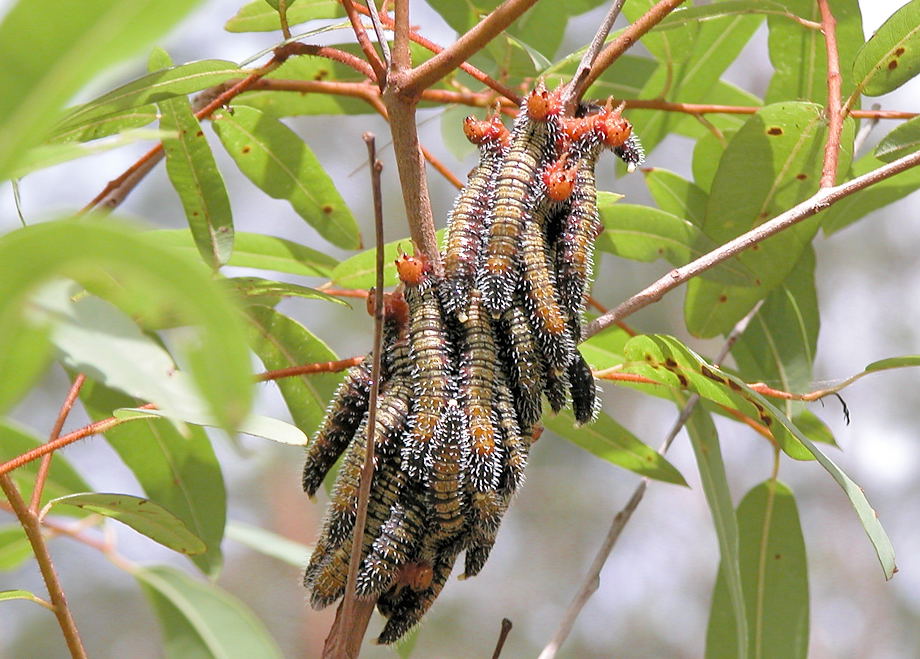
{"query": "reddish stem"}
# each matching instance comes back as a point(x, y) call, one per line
point(366, 44)
point(834, 101)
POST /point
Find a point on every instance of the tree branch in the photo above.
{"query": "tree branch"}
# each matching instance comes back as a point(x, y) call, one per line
point(428, 73)
point(574, 90)
point(366, 44)
point(834, 110)
point(822, 199)
point(623, 42)
point(33, 530)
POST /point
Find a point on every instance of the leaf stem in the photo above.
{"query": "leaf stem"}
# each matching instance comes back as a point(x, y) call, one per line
point(380, 72)
point(32, 527)
point(834, 110)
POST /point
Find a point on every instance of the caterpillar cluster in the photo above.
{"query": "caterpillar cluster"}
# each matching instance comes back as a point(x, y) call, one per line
point(468, 357)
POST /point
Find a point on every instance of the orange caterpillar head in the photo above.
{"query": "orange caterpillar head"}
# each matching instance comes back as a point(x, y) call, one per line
point(542, 103)
point(395, 308)
point(612, 127)
point(411, 269)
point(483, 131)
point(575, 128)
point(559, 180)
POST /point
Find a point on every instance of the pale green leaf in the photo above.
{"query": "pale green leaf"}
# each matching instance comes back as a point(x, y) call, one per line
point(259, 16)
point(359, 271)
point(269, 543)
point(255, 424)
point(902, 141)
point(14, 547)
point(892, 56)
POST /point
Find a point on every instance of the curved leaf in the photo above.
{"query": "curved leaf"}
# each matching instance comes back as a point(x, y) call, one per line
point(269, 543)
point(255, 290)
point(259, 16)
point(359, 271)
point(610, 441)
point(142, 515)
point(150, 279)
point(892, 56)
point(198, 619)
point(676, 195)
point(7, 595)
point(50, 55)
point(277, 160)
point(902, 141)
point(256, 425)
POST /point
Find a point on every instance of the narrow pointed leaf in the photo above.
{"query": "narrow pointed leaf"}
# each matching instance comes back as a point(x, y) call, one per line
point(774, 573)
point(142, 515)
point(14, 547)
point(668, 46)
point(199, 619)
point(359, 271)
point(626, 78)
point(281, 342)
point(178, 471)
point(49, 55)
point(255, 290)
point(269, 543)
point(893, 362)
point(277, 160)
point(892, 56)
point(7, 595)
point(610, 441)
point(676, 195)
point(902, 141)
point(110, 124)
point(256, 425)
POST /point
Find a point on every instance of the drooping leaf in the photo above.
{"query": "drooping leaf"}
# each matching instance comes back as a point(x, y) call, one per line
point(62, 478)
point(277, 160)
point(199, 619)
point(264, 292)
point(892, 56)
point(119, 104)
point(255, 250)
point(902, 141)
point(610, 441)
point(771, 164)
point(799, 54)
point(359, 271)
point(705, 441)
point(774, 574)
point(813, 427)
point(281, 342)
point(269, 543)
point(142, 515)
point(49, 55)
point(196, 179)
point(859, 204)
point(27, 357)
point(256, 425)
point(179, 472)
point(778, 346)
point(259, 16)
point(700, 14)
point(14, 547)
point(149, 280)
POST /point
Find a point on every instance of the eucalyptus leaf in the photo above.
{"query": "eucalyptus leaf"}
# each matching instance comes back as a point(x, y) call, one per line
point(269, 543)
point(892, 56)
point(261, 16)
point(14, 547)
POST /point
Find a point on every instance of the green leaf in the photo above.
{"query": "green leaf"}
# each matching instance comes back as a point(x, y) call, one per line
point(722, 93)
point(688, 15)
point(281, 342)
point(14, 547)
point(452, 133)
point(799, 53)
point(26, 358)
point(624, 79)
point(49, 55)
point(774, 573)
point(676, 195)
point(770, 165)
point(814, 428)
point(859, 204)
point(49, 155)
point(7, 595)
point(707, 154)
point(605, 349)
point(142, 515)
point(256, 425)
point(277, 160)
point(62, 478)
point(893, 362)
point(264, 292)
point(255, 250)
point(610, 441)
point(359, 271)
point(902, 141)
point(269, 543)
point(196, 179)
point(149, 280)
point(123, 102)
point(110, 124)
point(892, 56)
point(778, 346)
point(670, 46)
point(258, 16)
point(705, 441)
point(179, 472)
point(198, 619)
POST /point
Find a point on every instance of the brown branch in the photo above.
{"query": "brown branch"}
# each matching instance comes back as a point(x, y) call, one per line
point(366, 45)
point(336, 55)
point(623, 42)
point(428, 73)
point(822, 199)
point(402, 58)
point(33, 530)
point(574, 89)
point(835, 113)
point(350, 634)
point(378, 30)
point(45, 466)
point(309, 369)
point(502, 637)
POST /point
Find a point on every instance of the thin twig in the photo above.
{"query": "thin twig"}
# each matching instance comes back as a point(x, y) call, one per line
point(348, 636)
point(865, 130)
point(823, 198)
point(366, 45)
point(45, 465)
point(309, 369)
point(835, 113)
point(622, 43)
point(592, 580)
point(587, 60)
point(439, 66)
point(30, 524)
point(282, 17)
point(378, 30)
point(502, 637)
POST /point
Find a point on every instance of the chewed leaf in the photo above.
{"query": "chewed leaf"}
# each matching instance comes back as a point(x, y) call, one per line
point(142, 515)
